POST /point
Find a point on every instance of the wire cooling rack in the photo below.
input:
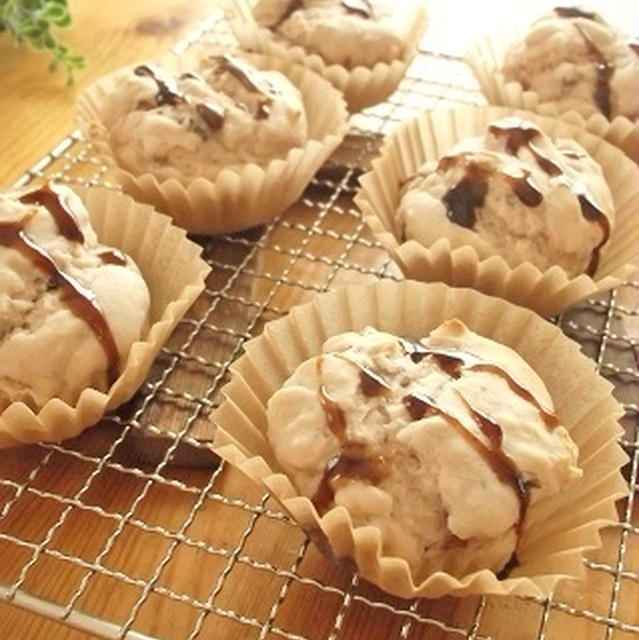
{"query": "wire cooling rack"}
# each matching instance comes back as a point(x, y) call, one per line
point(134, 530)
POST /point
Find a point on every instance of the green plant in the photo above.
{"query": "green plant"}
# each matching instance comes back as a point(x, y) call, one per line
point(31, 21)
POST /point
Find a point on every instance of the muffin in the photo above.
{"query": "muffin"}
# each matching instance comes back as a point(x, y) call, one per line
point(415, 431)
point(196, 123)
point(440, 443)
point(511, 203)
point(70, 307)
point(573, 58)
point(516, 193)
point(346, 32)
point(220, 140)
point(363, 47)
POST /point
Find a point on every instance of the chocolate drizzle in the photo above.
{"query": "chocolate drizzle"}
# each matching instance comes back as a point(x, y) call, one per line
point(469, 193)
point(292, 7)
point(454, 361)
point(168, 92)
point(605, 70)
point(212, 114)
point(112, 256)
point(352, 465)
point(251, 83)
point(361, 8)
point(81, 301)
point(575, 12)
point(56, 203)
point(520, 133)
point(335, 417)
point(634, 45)
point(370, 383)
point(420, 405)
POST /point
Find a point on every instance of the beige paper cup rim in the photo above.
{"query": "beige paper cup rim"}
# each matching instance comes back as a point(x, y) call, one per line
point(429, 135)
point(362, 86)
point(234, 198)
point(158, 248)
point(486, 58)
point(557, 530)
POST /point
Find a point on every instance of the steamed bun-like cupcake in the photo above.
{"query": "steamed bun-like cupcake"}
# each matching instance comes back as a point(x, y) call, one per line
point(441, 443)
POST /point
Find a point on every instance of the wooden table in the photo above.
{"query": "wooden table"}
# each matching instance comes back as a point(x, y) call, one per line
point(35, 112)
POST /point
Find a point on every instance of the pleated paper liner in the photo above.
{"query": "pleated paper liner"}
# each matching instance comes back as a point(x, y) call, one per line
point(175, 274)
point(428, 136)
point(362, 86)
point(233, 199)
point(486, 59)
point(557, 530)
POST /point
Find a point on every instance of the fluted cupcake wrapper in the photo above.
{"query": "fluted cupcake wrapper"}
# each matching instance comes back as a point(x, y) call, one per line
point(430, 135)
point(234, 198)
point(362, 86)
point(486, 59)
point(158, 248)
point(557, 530)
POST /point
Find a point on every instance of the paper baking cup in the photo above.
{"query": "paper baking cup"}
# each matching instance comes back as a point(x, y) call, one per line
point(557, 530)
point(486, 59)
point(175, 274)
point(233, 199)
point(362, 86)
point(429, 136)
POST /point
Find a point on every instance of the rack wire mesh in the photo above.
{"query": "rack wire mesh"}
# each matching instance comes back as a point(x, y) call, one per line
point(134, 530)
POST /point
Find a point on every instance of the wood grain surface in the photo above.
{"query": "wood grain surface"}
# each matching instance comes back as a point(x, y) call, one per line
point(35, 105)
point(34, 114)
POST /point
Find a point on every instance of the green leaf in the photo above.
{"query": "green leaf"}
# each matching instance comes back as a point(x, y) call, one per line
point(31, 22)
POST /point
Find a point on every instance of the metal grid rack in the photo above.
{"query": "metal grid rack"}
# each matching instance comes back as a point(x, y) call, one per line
point(134, 530)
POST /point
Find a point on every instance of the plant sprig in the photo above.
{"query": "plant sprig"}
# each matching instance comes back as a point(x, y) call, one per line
point(31, 22)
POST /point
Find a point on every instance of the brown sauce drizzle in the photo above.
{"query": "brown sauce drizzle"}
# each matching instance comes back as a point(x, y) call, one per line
point(501, 464)
point(359, 7)
point(418, 406)
point(335, 417)
point(575, 12)
point(489, 428)
point(168, 93)
point(354, 465)
point(469, 193)
point(52, 199)
point(167, 90)
point(605, 70)
point(512, 563)
point(465, 360)
point(293, 6)
point(212, 114)
point(244, 74)
point(634, 45)
point(520, 133)
point(80, 300)
point(370, 383)
point(112, 256)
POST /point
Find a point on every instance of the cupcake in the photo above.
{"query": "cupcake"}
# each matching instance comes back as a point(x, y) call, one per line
point(511, 203)
point(569, 63)
point(443, 441)
point(516, 193)
point(219, 140)
point(197, 123)
point(71, 306)
point(86, 304)
point(574, 59)
point(362, 46)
